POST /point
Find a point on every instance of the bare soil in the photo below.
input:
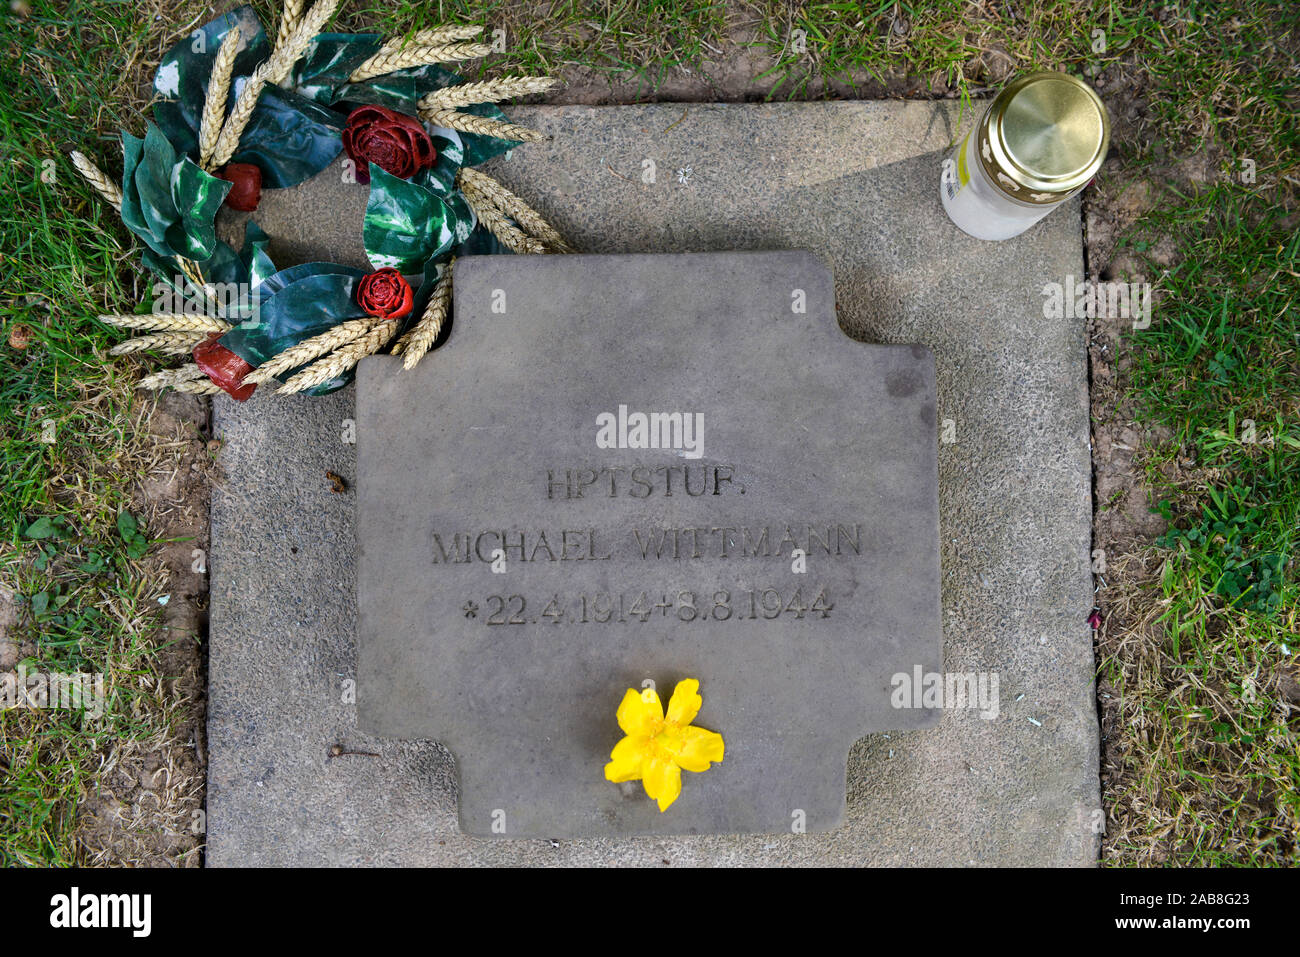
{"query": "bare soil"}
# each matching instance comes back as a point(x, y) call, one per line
point(146, 809)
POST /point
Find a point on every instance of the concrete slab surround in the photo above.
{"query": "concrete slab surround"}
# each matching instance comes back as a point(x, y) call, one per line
point(857, 184)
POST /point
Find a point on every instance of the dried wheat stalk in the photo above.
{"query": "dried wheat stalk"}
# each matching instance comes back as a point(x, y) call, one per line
point(170, 378)
point(309, 349)
point(528, 218)
point(487, 91)
point(425, 332)
point(273, 70)
point(237, 121)
point(469, 123)
point(166, 322)
point(341, 360)
point(290, 49)
point(214, 107)
point(431, 38)
point(491, 217)
point(171, 343)
point(199, 387)
point(190, 269)
point(97, 178)
point(386, 61)
point(290, 16)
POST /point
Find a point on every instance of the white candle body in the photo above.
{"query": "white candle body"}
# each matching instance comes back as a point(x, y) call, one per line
point(976, 205)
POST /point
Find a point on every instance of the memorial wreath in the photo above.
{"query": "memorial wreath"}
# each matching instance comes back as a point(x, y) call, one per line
point(238, 114)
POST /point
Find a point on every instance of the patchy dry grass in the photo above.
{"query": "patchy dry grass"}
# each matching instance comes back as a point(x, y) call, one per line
point(80, 591)
point(1201, 705)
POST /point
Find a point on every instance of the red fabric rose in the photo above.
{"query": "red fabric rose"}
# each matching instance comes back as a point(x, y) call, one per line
point(395, 143)
point(247, 190)
point(223, 367)
point(385, 294)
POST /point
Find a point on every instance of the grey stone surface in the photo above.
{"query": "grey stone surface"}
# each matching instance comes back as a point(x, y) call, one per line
point(856, 183)
point(617, 565)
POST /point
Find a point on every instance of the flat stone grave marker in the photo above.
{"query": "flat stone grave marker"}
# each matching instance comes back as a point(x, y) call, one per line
point(861, 192)
point(641, 468)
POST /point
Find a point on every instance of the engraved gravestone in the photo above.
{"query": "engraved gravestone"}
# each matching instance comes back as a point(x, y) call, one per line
point(636, 468)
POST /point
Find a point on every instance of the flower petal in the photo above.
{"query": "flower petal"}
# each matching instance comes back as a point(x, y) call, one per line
point(626, 760)
point(640, 713)
point(662, 779)
point(685, 702)
point(698, 748)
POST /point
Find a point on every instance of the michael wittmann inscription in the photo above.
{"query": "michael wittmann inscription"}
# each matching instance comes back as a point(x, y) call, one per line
point(621, 470)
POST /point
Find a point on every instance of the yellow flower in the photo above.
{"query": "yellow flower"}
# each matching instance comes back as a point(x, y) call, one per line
point(657, 748)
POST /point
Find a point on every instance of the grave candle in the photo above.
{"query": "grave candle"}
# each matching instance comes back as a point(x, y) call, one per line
point(1039, 142)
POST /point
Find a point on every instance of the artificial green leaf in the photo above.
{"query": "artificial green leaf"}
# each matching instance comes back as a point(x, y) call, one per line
point(152, 178)
point(225, 269)
point(400, 90)
point(286, 277)
point(183, 73)
point(196, 196)
point(172, 202)
point(405, 223)
point(132, 215)
point(290, 138)
point(462, 216)
point(310, 303)
point(329, 62)
point(256, 260)
point(441, 176)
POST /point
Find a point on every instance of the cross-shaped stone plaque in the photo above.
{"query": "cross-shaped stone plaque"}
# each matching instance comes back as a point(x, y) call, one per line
point(619, 470)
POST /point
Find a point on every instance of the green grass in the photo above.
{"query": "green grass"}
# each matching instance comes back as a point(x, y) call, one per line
point(1219, 368)
point(68, 436)
point(641, 41)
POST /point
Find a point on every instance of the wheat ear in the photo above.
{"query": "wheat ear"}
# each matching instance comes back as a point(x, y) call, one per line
point(386, 61)
point(341, 360)
point(469, 123)
point(170, 378)
point(98, 179)
point(511, 236)
point(426, 331)
point(214, 107)
point(309, 349)
point(486, 91)
point(431, 38)
point(272, 70)
point(290, 16)
point(166, 322)
point(288, 50)
point(199, 387)
point(171, 343)
point(529, 219)
point(228, 140)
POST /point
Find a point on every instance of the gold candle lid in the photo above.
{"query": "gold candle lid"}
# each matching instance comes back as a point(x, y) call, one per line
point(1043, 137)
